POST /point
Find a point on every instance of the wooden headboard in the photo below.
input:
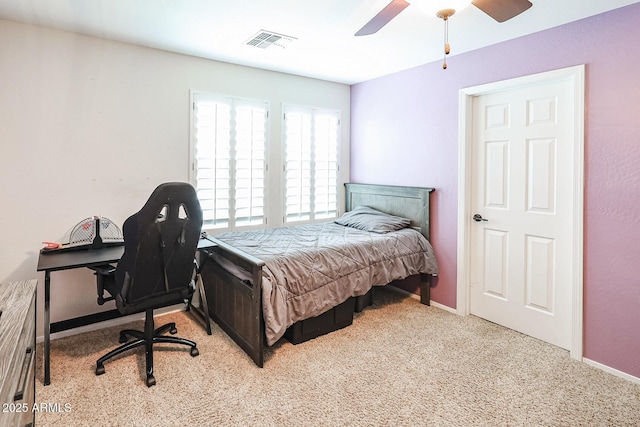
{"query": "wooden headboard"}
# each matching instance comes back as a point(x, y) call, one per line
point(407, 202)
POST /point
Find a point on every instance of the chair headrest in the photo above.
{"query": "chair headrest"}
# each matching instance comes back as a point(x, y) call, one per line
point(171, 200)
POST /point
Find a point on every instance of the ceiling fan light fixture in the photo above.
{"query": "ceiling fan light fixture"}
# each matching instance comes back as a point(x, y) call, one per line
point(434, 7)
point(445, 13)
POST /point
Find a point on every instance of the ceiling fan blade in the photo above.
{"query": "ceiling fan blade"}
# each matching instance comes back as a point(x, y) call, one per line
point(383, 17)
point(502, 10)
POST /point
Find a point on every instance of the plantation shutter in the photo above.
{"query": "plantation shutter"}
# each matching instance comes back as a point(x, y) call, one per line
point(230, 137)
point(311, 149)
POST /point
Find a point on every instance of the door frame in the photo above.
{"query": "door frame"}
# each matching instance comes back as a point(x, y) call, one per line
point(576, 75)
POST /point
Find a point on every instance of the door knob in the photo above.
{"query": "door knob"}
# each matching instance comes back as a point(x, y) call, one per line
point(478, 218)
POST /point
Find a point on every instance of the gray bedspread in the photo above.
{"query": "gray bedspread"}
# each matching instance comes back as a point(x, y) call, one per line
point(312, 268)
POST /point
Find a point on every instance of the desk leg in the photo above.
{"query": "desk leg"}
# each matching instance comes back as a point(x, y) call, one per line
point(203, 310)
point(47, 323)
point(203, 304)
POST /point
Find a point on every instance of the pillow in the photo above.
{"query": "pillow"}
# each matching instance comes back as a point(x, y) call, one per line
point(369, 219)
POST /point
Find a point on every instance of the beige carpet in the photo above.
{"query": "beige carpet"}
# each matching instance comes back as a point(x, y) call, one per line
point(400, 363)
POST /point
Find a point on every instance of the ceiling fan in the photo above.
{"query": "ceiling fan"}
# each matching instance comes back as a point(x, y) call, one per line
point(500, 10)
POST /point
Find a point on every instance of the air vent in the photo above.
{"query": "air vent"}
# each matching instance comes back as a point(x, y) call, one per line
point(264, 39)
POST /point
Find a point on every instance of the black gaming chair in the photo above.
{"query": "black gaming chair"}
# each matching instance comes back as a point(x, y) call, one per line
point(157, 268)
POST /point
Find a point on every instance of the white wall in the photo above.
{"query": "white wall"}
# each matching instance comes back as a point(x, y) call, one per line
point(90, 127)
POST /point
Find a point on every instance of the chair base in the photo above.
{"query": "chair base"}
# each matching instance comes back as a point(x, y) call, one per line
point(147, 339)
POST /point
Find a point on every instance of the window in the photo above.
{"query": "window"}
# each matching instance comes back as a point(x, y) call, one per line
point(229, 153)
point(311, 147)
point(229, 168)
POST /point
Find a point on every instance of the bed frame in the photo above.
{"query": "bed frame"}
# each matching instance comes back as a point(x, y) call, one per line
point(236, 305)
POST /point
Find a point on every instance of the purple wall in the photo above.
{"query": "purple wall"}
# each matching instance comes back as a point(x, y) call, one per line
point(405, 132)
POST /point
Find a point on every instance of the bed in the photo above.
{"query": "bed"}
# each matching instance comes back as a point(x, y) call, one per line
point(262, 285)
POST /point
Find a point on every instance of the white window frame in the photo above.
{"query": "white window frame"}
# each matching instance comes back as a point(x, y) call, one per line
point(313, 215)
point(195, 97)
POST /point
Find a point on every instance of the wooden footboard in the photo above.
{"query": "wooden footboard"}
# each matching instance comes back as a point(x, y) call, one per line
point(235, 304)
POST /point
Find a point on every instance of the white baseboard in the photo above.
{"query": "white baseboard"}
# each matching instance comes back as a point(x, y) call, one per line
point(417, 297)
point(444, 307)
point(611, 370)
point(112, 322)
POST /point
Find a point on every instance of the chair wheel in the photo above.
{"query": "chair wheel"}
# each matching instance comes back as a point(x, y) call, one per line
point(194, 351)
point(173, 331)
point(99, 369)
point(151, 380)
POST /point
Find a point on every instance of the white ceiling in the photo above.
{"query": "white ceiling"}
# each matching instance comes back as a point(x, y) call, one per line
point(325, 45)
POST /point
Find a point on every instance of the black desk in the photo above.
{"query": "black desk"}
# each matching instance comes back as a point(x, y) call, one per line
point(58, 261)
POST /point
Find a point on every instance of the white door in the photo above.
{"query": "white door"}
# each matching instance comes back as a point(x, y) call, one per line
point(522, 184)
